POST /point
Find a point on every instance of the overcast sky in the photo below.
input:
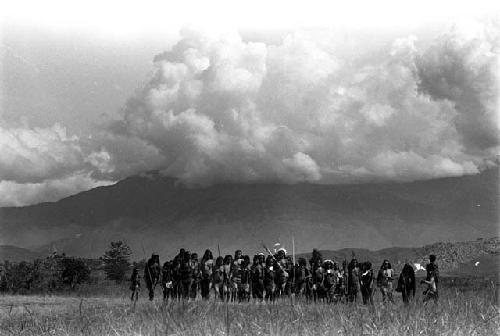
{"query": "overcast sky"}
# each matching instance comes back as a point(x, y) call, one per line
point(244, 91)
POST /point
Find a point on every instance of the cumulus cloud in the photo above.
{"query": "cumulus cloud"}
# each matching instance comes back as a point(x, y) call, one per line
point(19, 194)
point(465, 72)
point(311, 108)
point(35, 154)
point(45, 164)
point(222, 109)
point(31, 154)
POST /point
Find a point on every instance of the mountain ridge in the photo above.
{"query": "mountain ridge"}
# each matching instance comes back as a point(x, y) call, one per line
point(160, 213)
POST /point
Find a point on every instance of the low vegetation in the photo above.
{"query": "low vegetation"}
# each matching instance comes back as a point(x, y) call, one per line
point(52, 274)
point(62, 295)
point(461, 311)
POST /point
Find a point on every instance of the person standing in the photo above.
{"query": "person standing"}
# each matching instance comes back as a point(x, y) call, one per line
point(353, 280)
point(406, 282)
point(384, 281)
point(236, 274)
point(195, 275)
point(317, 278)
point(432, 279)
point(152, 273)
point(366, 282)
point(185, 275)
point(226, 271)
point(135, 283)
point(258, 275)
point(218, 278)
point(206, 264)
point(269, 278)
point(166, 280)
point(245, 280)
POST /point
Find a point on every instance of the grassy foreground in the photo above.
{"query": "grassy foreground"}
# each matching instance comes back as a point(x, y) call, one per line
point(458, 313)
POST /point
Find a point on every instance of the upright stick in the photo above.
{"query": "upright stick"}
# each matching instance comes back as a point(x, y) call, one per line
point(147, 268)
point(294, 273)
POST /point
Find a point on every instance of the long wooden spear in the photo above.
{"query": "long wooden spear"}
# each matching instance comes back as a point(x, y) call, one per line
point(294, 273)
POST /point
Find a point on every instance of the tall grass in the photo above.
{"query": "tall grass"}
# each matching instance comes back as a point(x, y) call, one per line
point(458, 313)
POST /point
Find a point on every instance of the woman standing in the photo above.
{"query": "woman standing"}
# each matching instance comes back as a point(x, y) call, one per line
point(384, 280)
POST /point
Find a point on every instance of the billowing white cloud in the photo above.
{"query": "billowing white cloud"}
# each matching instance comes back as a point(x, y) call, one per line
point(312, 108)
point(35, 154)
point(45, 164)
point(32, 154)
point(222, 109)
point(465, 72)
point(19, 194)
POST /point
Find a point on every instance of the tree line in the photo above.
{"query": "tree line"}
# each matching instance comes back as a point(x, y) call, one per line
point(60, 272)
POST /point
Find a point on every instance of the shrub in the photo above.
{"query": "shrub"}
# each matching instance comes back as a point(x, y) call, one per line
point(117, 261)
point(42, 275)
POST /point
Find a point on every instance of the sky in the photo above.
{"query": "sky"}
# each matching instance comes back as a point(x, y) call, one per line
point(235, 91)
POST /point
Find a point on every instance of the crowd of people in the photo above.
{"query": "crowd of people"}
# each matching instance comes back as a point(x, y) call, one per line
point(267, 278)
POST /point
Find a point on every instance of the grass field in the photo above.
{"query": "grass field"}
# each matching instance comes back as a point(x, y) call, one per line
point(471, 312)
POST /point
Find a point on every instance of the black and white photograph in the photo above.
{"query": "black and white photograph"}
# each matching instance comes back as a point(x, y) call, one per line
point(280, 168)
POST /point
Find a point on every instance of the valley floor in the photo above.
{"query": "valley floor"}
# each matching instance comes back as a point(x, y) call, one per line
point(472, 312)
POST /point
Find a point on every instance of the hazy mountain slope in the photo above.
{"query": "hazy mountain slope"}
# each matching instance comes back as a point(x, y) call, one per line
point(14, 253)
point(487, 265)
point(154, 213)
point(478, 257)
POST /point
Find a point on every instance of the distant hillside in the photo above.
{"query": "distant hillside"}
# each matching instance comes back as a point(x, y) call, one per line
point(454, 254)
point(14, 253)
point(479, 257)
point(152, 212)
point(487, 265)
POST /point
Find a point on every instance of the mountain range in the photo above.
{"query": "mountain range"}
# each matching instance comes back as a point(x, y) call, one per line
point(155, 213)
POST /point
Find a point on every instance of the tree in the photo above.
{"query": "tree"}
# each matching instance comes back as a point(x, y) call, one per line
point(117, 261)
point(74, 271)
point(20, 277)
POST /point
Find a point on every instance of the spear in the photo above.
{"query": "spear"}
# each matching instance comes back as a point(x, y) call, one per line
point(346, 272)
point(293, 269)
point(269, 251)
point(147, 268)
